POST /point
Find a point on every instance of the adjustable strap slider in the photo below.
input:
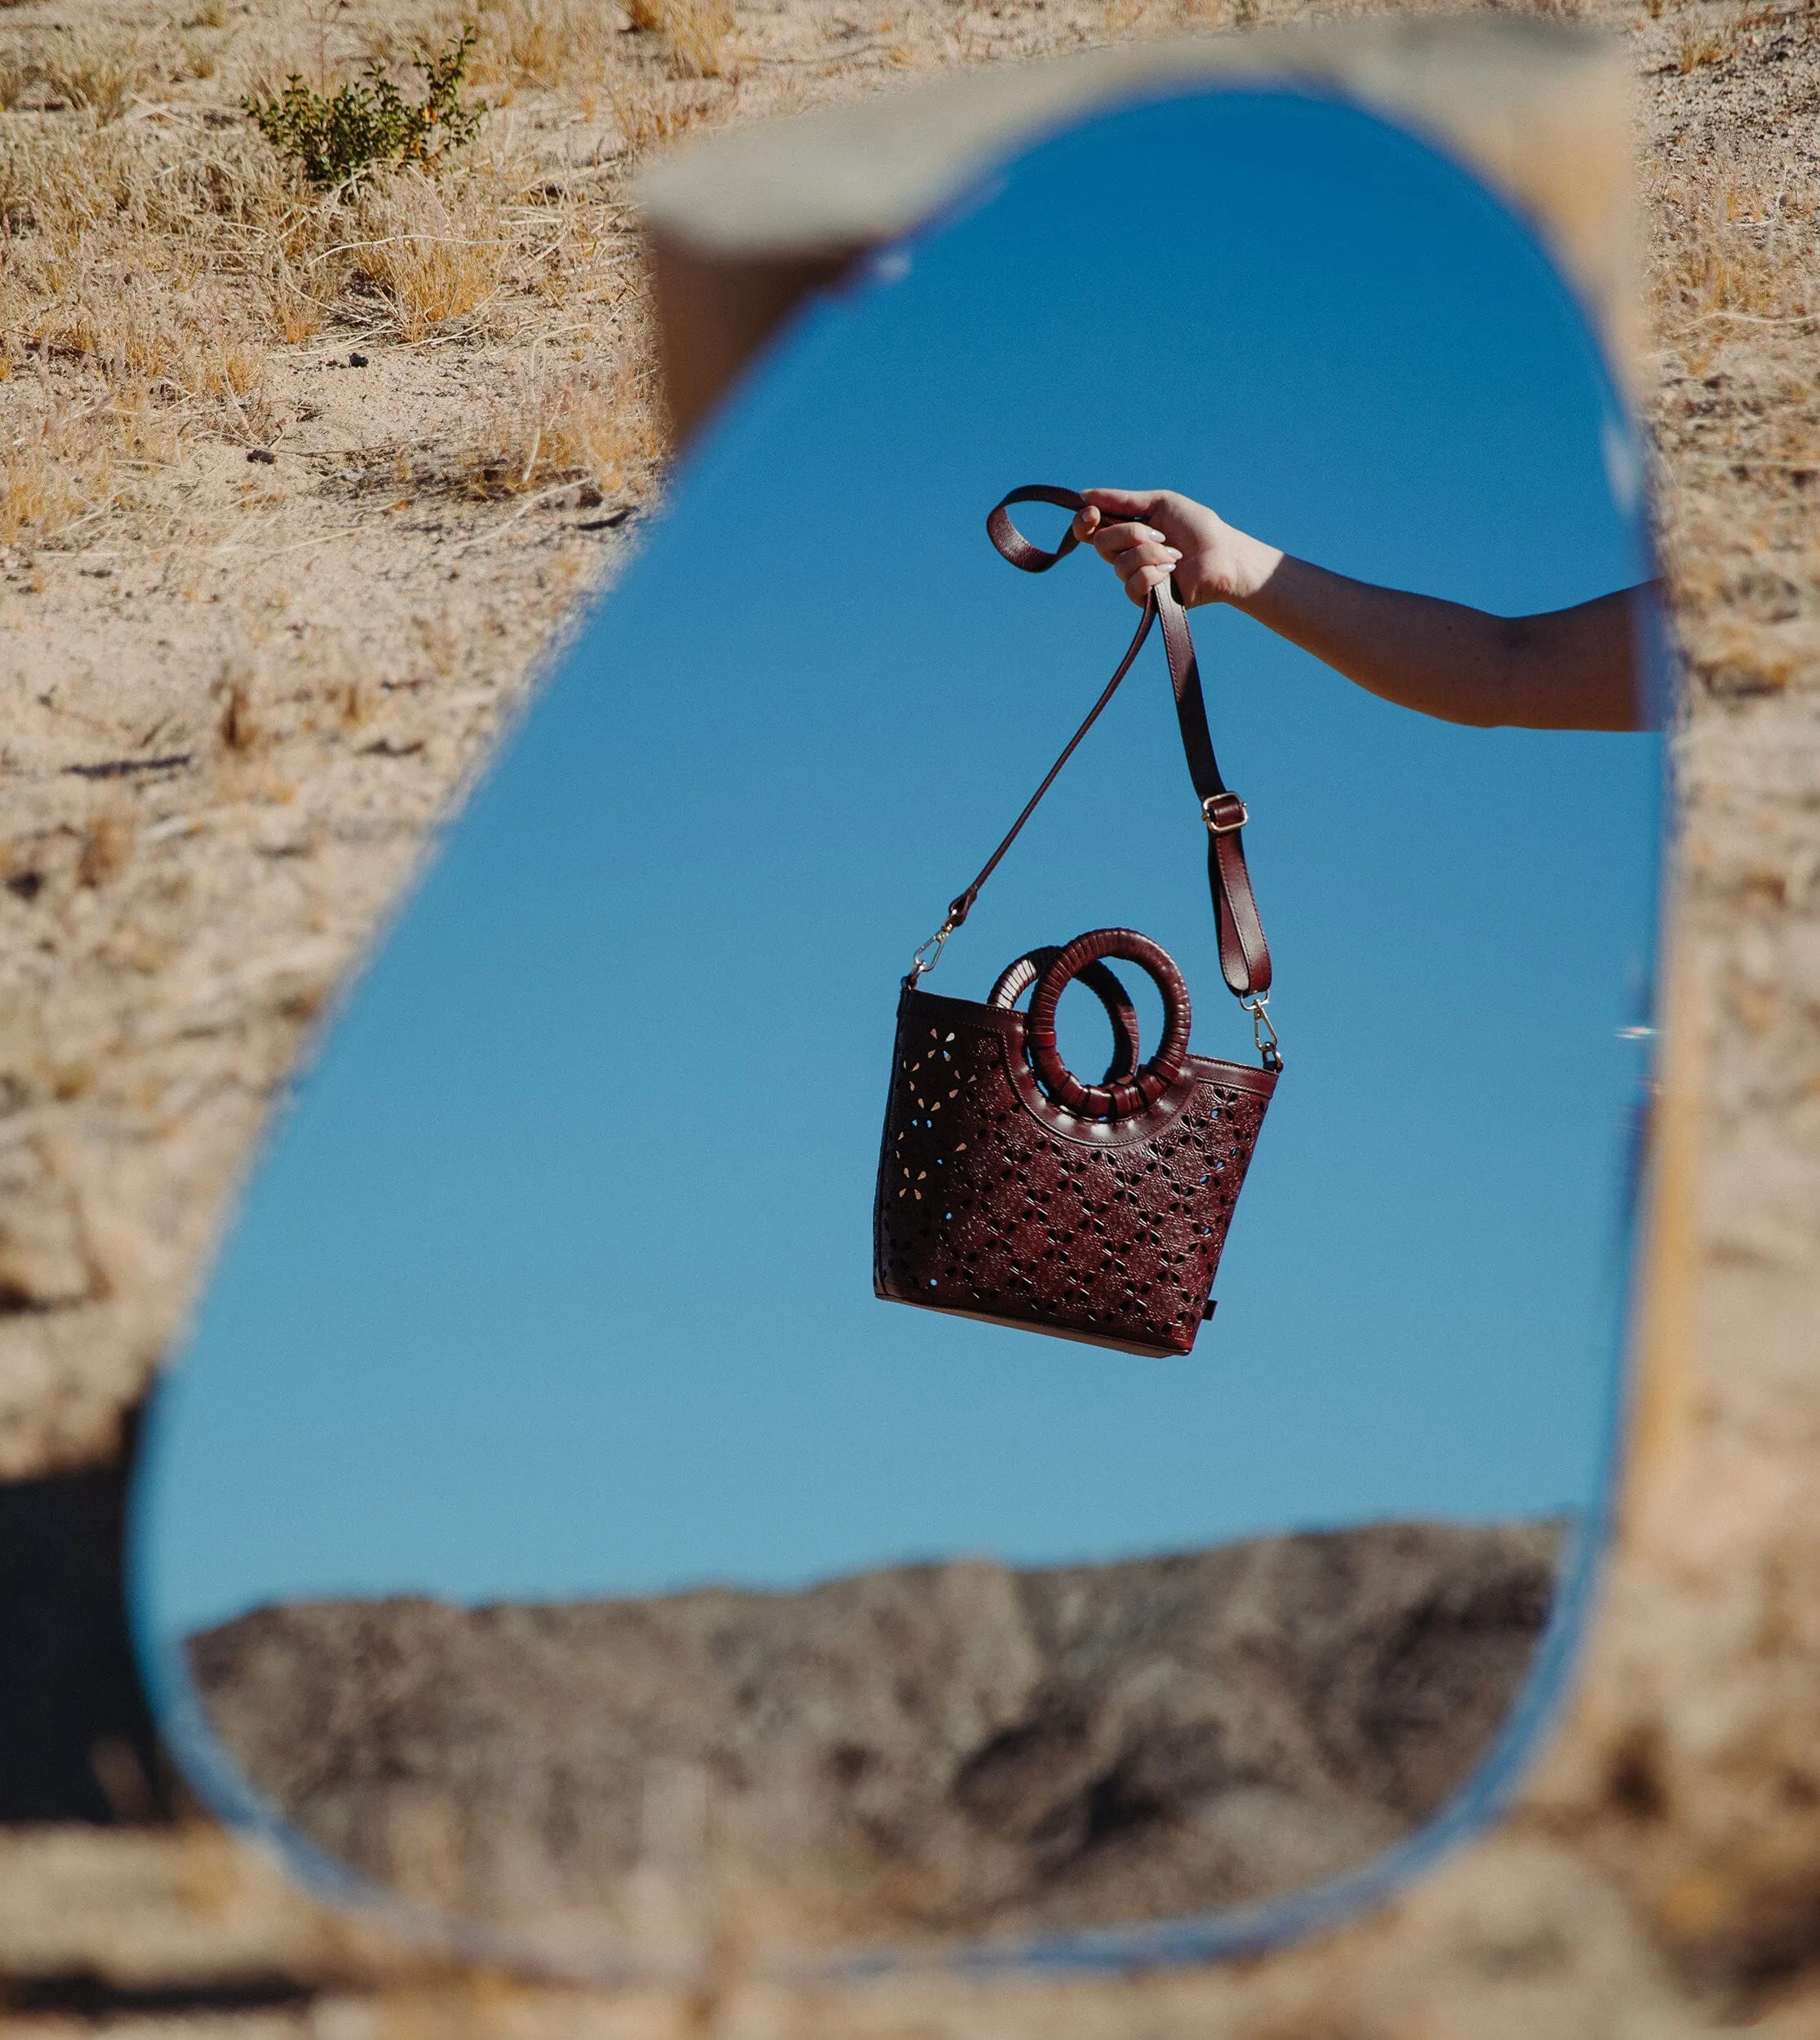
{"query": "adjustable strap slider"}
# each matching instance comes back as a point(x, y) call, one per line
point(1223, 812)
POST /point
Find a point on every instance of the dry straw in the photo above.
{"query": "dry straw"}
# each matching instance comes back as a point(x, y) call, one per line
point(438, 248)
point(153, 268)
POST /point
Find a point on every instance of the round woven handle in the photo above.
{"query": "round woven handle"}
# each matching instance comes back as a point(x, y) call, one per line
point(1016, 978)
point(1137, 1093)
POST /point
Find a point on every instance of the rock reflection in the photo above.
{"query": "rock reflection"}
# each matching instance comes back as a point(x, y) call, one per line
point(904, 1755)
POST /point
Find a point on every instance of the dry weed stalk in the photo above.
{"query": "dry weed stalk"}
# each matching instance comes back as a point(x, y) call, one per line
point(238, 727)
point(698, 32)
point(297, 289)
point(1702, 42)
point(96, 69)
point(107, 849)
point(439, 248)
point(1743, 255)
point(559, 43)
point(599, 423)
point(649, 111)
point(1697, 44)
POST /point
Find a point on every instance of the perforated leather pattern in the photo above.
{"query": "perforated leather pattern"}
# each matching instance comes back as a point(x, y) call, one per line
point(993, 1203)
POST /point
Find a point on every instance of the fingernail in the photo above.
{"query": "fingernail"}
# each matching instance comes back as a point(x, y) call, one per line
point(1171, 553)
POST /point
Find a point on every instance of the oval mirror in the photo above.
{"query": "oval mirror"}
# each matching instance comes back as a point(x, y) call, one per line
point(550, 1529)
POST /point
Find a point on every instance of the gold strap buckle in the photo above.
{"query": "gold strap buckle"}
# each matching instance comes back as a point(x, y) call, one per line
point(1223, 828)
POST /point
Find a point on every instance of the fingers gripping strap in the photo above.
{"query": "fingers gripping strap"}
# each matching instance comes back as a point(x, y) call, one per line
point(1244, 953)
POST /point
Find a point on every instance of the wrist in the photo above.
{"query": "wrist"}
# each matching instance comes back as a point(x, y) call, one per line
point(1229, 565)
point(1249, 566)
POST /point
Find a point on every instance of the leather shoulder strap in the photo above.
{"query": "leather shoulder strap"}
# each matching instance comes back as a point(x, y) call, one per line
point(1244, 955)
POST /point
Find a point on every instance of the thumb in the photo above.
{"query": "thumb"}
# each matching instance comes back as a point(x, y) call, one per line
point(1121, 503)
point(1086, 522)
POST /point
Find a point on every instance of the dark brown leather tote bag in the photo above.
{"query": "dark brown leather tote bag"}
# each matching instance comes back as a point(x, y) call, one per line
point(1008, 1190)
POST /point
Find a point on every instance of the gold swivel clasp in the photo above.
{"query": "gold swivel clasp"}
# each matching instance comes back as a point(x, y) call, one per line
point(1263, 1032)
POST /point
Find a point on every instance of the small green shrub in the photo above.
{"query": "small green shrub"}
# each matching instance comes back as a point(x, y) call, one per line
point(337, 141)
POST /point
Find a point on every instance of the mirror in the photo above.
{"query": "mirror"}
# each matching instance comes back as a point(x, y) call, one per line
point(548, 1527)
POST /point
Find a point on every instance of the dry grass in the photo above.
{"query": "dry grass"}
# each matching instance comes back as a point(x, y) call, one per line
point(438, 248)
point(599, 423)
point(579, 48)
point(62, 463)
point(1703, 37)
point(653, 113)
point(1744, 256)
point(130, 297)
point(563, 44)
point(95, 69)
point(697, 32)
point(150, 269)
point(1124, 18)
point(651, 66)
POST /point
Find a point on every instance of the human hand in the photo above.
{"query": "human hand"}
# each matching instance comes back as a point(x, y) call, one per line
point(1146, 535)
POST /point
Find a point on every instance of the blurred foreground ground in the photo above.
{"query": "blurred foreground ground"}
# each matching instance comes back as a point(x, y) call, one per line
point(235, 692)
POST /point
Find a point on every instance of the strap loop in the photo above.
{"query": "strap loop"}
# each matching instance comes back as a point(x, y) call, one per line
point(1012, 542)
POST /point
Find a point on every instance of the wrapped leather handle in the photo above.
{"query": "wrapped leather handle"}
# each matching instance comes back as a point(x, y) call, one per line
point(1115, 1100)
point(1243, 953)
point(1016, 978)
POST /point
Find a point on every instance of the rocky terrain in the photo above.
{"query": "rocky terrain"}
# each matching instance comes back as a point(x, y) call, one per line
point(950, 1748)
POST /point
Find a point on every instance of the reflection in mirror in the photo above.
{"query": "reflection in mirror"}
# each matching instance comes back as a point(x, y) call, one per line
point(549, 1526)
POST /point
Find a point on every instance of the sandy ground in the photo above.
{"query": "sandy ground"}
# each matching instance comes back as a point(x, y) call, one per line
point(237, 693)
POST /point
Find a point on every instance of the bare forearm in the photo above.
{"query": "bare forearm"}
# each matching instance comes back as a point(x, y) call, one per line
point(1565, 669)
point(1572, 668)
